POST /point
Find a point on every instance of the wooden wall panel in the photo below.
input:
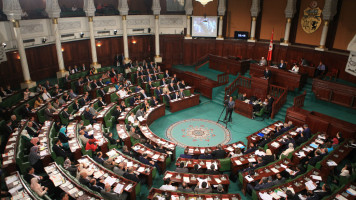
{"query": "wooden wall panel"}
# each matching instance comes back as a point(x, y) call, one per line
point(346, 27)
point(238, 16)
point(273, 18)
point(210, 9)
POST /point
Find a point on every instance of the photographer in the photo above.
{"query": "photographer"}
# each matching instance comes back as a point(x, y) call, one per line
point(230, 105)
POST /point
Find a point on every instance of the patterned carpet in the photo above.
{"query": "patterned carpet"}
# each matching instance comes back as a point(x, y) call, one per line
point(198, 132)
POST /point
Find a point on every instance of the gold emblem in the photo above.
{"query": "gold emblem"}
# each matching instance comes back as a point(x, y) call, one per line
point(312, 18)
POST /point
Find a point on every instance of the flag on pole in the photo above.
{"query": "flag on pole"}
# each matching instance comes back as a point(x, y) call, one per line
point(269, 57)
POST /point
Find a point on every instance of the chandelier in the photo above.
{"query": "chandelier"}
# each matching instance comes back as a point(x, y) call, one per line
point(204, 2)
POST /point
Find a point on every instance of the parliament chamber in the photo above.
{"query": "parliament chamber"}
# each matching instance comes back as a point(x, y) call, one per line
point(178, 99)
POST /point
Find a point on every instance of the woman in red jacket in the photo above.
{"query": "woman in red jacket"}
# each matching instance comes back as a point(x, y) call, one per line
point(91, 145)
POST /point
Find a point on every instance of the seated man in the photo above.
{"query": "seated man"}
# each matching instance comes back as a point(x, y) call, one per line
point(204, 188)
point(108, 194)
point(168, 185)
point(131, 175)
point(181, 168)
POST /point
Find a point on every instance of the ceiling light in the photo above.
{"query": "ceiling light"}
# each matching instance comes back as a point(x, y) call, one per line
point(204, 2)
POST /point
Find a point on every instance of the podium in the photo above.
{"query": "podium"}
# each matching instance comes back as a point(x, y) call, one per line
point(260, 87)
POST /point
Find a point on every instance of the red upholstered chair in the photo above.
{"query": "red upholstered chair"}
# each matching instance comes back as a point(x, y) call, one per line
point(332, 74)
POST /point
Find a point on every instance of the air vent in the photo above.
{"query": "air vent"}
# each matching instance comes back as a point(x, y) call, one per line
point(103, 32)
point(139, 29)
point(67, 35)
point(29, 40)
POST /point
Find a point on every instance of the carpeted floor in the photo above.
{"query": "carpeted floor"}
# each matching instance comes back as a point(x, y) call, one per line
point(241, 126)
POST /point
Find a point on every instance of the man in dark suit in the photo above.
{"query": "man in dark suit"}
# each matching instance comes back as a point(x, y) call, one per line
point(317, 157)
point(251, 149)
point(76, 105)
point(213, 170)
point(144, 160)
point(171, 87)
point(59, 150)
point(83, 179)
point(26, 111)
point(158, 92)
point(269, 105)
point(167, 97)
point(306, 131)
point(319, 193)
point(282, 65)
point(163, 82)
point(35, 124)
point(267, 74)
point(101, 92)
point(131, 176)
point(101, 103)
point(48, 112)
point(31, 130)
point(181, 168)
point(94, 84)
point(196, 170)
point(219, 153)
point(181, 93)
point(89, 116)
point(116, 113)
point(175, 95)
point(108, 194)
point(65, 113)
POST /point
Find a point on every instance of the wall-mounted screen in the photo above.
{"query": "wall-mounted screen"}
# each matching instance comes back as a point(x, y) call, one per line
point(204, 26)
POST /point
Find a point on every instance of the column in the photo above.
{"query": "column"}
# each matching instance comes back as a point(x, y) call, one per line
point(188, 36)
point(287, 32)
point(221, 20)
point(158, 58)
point(253, 30)
point(92, 43)
point(62, 71)
point(24, 65)
point(324, 34)
point(126, 45)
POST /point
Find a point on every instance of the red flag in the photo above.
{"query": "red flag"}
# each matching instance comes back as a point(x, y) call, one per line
point(269, 56)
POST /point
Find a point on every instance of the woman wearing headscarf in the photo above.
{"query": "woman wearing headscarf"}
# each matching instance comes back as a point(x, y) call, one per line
point(289, 150)
point(63, 137)
point(35, 159)
point(36, 187)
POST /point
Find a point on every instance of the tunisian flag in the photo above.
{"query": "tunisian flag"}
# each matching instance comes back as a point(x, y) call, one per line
point(269, 56)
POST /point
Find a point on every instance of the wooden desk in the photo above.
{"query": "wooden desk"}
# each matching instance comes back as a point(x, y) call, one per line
point(255, 138)
point(259, 86)
point(265, 171)
point(201, 83)
point(104, 112)
point(67, 184)
point(14, 181)
point(342, 192)
point(179, 178)
point(277, 143)
point(156, 156)
point(75, 145)
point(280, 77)
point(124, 135)
point(10, 151)
point(241, 162)
point(78, 115)
point(168, 145)
point(337, 155)
point(154, 113)
point(244, 109)
point(305, 150)
point(43, 147)
point(129, 186)
point(142, 169)
point(298, 184)
point(227, 65)
point(197, 151)
point(184, 103)
point(189, 163)
point(337, 93)
point(98, 133)
point(175, 195)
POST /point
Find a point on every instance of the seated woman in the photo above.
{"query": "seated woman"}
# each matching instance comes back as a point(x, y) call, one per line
point(35, 159)
point(63, 137)
point(36, 187)
point(91, 145)
point(38, 102)
point(295, 68)
point(93, 70)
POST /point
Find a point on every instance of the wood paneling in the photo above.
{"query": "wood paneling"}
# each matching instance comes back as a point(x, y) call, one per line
point(239, 17)
point(346, 28)
point(210, 9)
point(273, 18)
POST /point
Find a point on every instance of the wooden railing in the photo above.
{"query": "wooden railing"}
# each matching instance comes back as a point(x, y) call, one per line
point(280, 96)
point(201, 61)
point(299, 100)
point(223, 79)
point(232, 87)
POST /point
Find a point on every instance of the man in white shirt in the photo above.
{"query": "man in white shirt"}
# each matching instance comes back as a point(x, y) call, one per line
point(46, 96)
point(131, 118)
point(168, 185)
point(122, 93)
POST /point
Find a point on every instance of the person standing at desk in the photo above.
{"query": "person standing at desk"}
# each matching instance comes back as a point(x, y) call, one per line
point(229, 108)
point(263, 62)
point(282, 65)
point(267, 74)
point(320, 70)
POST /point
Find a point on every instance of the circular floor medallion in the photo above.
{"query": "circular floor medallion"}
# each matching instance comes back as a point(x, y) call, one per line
point(198, 132)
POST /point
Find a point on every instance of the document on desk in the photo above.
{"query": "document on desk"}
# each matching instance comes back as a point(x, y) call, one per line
point(316, 177)
point(266, 196)
point(310, 185)
point(208, 164)
point(186, 179)
point(351, 191)
point(251, 160)
point(110, 180)
point(218, 180)
point(119, 188)
point(249, 178)
point(156, 156)
point(238, 162)
point(331, 163)
point(274, 170)
point(168, 175)
point(340, 197)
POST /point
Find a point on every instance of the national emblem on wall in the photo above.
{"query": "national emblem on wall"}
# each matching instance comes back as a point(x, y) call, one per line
point(312, 18)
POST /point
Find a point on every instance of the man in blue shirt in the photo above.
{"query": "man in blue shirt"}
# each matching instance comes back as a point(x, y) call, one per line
point(320, 70)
